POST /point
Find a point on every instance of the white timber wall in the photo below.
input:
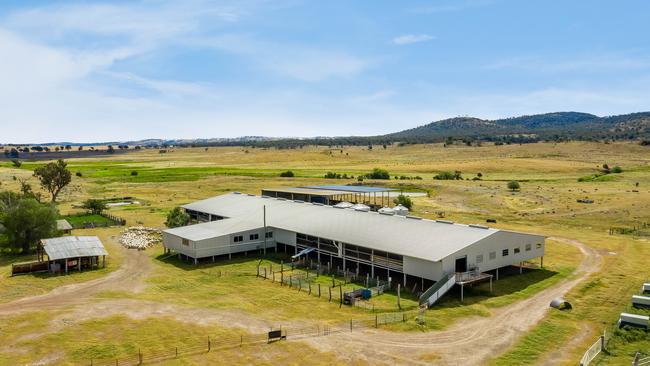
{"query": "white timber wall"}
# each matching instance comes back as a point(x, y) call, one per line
point(487, 254)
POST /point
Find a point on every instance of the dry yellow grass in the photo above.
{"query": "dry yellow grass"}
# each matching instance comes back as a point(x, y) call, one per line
point(546, 203)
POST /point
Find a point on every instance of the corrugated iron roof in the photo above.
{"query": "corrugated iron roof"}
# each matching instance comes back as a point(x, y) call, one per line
point(73, 247)
point(425, 239)
point(63, 225)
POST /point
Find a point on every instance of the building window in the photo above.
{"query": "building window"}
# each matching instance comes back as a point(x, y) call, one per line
point(479, 258)
point(186, 242)
point(253, 236)
point(528, 247)
point(269, 234)
point(238, 239)
point(538, 245)
point(493, 256)
point(504, 253)
point(517, 250)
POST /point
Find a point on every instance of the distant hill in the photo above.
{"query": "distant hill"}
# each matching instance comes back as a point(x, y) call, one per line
point(531, 128)
point(559, 125)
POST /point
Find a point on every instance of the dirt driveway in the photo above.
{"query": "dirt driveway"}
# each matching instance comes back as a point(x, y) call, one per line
point(472, 341)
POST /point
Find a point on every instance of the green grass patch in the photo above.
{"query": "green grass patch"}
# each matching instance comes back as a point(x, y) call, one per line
point(78, 220)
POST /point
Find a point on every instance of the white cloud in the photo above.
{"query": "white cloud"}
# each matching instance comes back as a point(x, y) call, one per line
point(411, 38)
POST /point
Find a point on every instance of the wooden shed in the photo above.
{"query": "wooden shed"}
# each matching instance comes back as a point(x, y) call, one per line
point(64, 226)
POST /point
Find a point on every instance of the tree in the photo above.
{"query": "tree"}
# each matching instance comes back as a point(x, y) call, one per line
point(54, 177)
point(95, 206)
point(177, 217)
point(513, 185)
point(617, 169)
point(287, 174)
point(16, 163)
point(26, 221)
point(404, 201)
point(378, 173)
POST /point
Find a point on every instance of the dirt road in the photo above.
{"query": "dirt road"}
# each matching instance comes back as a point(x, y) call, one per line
point(129, 277)
point(472, 341)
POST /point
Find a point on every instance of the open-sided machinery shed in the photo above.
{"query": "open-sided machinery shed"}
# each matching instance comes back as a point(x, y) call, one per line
point(403, 248)
point(72, 252)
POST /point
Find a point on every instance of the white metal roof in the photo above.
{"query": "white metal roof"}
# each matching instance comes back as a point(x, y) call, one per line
point(414, 237)
point(215, 229)
point(63, 225)
point(73, 247)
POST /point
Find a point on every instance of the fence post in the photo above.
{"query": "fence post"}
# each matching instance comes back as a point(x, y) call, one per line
point(264, 272)
point(376, 317)
point(602, 342)
point(319, 290)
point(310, 288)
point(139, 357)
point(299, 285)
point(290, 281)
point(341, 296)
point(281, 277)
point(350, 325)
point(329, 288)
point(209, 344)
point(176, 352)
point(241, 340)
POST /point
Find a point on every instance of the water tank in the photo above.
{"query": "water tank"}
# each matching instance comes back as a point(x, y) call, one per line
point(387, 211)
point(401, 210)
point(343, 205)
point(360, 207)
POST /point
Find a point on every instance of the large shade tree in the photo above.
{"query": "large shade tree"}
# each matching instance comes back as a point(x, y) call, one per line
point(25, 220)
point(53, 177)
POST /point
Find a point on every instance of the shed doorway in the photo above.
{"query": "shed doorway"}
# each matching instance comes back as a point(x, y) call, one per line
point(461, 264)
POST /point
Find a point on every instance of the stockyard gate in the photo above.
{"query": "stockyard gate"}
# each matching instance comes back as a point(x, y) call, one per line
point(429, 255)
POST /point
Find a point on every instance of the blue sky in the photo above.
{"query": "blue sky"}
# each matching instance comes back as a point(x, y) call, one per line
point(96, 71)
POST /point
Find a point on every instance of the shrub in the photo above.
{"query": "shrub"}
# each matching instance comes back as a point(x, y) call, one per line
point(287, 174)
point(617, 169)
point(78, 174)
point(134, 173)
point(513, 185)
point(378, 173)
point(177, 217)
point(404, 201)
point(448, 176)
point(16, 163)
point(95, 206)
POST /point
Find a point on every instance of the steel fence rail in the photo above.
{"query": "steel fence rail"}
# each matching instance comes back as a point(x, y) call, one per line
point(593, 351)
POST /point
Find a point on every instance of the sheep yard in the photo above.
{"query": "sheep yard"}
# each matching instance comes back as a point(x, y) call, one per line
point(147, 301)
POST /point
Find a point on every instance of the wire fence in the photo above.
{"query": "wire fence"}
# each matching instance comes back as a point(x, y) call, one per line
point(210, 344)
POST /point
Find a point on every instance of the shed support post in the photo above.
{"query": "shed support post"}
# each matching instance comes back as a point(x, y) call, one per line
point(541, 263)
point(66, 266)
point(521, 270)
point(490, 283)
point(103, 261)
point(372, 263)
point(196, 261)
point(497, 274)
point(404, 282)
point(79, 264)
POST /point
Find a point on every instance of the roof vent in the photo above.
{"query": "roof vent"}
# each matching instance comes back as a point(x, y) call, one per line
point(445, 221)
point(478, 226)
point(413, 217)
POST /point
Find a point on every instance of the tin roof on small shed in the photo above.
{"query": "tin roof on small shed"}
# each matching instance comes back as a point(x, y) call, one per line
point(73, 247)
